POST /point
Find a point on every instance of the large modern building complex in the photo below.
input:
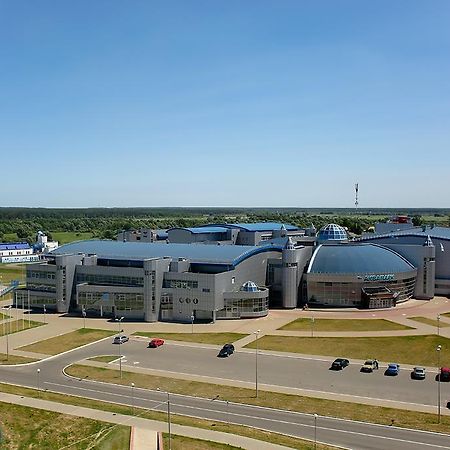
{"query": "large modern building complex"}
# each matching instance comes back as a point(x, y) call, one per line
point(224, 271)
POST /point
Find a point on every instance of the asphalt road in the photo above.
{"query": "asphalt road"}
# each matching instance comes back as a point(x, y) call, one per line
point(346, 434)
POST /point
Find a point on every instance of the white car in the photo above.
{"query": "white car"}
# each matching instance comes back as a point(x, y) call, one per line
point(369, 366)
point(120, 339)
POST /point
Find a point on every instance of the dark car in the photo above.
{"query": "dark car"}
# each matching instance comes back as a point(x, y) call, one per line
point(339, 364)
point(156, 343)
point(226, 350)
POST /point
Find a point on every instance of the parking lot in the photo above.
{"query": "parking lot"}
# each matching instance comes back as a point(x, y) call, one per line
point(303, 373)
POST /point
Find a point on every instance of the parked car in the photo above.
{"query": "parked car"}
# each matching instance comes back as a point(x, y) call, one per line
point(369, 366)
point(392, 369)
point(156, 343)
point(339, 364)
point(226, 350)
point(418, 373)
point(120, 339)
point(444, 374)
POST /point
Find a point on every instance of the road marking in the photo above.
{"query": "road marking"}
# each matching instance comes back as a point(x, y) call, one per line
point(197, 408)
point(357, 433)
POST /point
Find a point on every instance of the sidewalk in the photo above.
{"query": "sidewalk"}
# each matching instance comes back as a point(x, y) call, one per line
point(145, 425)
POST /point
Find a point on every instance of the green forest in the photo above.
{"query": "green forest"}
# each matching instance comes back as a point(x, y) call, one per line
point(73, 224)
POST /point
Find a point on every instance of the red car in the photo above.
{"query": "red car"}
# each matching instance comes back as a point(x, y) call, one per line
point(444, 374)
point(156, 343)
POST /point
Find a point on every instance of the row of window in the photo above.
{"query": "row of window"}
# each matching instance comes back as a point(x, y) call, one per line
point(180, 284)
point(41, 275)
point(113, 280)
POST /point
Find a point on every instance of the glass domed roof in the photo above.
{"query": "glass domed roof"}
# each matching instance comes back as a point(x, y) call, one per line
point(249, 286)
point(332, 232)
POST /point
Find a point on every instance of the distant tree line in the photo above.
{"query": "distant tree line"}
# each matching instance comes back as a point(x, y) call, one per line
point(106, 222)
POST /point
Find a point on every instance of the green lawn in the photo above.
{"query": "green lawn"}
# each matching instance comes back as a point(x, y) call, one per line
point(306, 324)
point(201, 338)
point(13, 359)
point(104, 359)
point(9, 272)
point(347, 410)
point(68, 341)
point(64, 237)
point(16, 326)
point(418, 350)
point(29, 428)
point(432, 322)
point(253, 433)
point(186, 443)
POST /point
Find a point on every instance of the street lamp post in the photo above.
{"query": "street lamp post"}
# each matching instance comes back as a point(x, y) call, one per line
point(38, 372)
point(438, 350)
point(132, 398)
point(256, 362)
point(7, 326)
point(168, 417)
point(119, 321)
point(83, 312)
point(438, 317)
point(315, 431)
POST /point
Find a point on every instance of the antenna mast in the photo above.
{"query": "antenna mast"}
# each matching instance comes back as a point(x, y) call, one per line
point(356, 195)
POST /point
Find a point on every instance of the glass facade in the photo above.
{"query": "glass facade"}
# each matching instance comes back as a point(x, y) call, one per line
point(123, 301)
point(338, 293)
point(113, 280)
point(244, 307)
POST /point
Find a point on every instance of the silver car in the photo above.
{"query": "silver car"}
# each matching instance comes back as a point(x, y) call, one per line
point(418, 373)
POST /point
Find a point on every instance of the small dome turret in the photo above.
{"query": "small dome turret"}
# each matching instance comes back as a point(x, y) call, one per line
point(249, 286)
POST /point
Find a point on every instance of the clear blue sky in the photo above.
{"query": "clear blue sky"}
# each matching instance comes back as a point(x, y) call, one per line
point(224, 103)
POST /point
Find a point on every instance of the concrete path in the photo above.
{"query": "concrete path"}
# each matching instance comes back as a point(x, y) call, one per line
point(143, 439)
point(148, 427)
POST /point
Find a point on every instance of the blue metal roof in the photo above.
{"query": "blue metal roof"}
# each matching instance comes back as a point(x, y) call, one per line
point(262, 226)
point(357, 259)
point(15, 246)
point(197, 253)
point(203, 230)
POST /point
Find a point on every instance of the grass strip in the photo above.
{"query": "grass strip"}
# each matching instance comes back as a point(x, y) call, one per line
point(16, 326)
point(25, 427)
point(432, 322)
point(13, 359)
point(415, 350)
point(201, 338)
point(306, 324)
point(12, 272)
point(239, 430)
point(68, 341)
point(104, 359)
point(290, 402)
point(65, 237)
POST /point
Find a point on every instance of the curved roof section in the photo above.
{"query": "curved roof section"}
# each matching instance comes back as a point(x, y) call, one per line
point(202, 230)
point(197, 253)
point(357, 259)
point(422, 232)
point(261, 226)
